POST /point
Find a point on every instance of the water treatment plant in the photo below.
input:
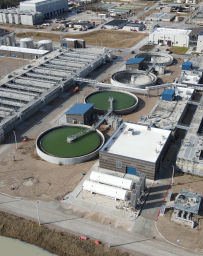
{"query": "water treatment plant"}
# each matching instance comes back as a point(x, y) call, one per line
point(101, 141)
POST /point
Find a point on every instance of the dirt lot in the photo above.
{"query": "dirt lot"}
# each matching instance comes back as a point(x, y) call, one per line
point(29, 176)
point(8, 65)
point(61, 243)
point(172, 72)
point(108, 38)
point(190, 238)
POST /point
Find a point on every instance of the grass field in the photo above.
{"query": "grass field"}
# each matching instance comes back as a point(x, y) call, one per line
point(105, 38)
point(179, 50)
point(146, 48)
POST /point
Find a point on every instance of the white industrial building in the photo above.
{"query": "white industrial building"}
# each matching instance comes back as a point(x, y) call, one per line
point(48, 8)
point(16, 16)
point(135, 149)
point(170, 37)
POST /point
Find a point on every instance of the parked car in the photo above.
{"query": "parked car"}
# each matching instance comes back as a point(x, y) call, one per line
point(75, 29)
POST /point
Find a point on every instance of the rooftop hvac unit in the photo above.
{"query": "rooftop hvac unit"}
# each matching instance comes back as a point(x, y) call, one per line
point(163, 138)
point(113, 192)
point(138, 188)
point(111, 180)
point(133, 199)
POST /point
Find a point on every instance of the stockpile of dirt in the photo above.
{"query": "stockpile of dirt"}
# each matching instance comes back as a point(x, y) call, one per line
point(61, 243)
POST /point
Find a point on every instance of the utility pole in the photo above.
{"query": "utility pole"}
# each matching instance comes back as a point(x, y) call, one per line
point(38, 213)
point(109, 233)
point(15, 140)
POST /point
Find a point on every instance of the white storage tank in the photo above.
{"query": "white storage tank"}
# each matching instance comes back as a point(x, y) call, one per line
point(45, 45)
point(26, 43)
point(111, 180)
point(116, 193)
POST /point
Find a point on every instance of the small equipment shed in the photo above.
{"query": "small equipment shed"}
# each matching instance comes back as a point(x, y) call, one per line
point(80, 114)
point(187, 66)
point(134, 63)
point(168, 94)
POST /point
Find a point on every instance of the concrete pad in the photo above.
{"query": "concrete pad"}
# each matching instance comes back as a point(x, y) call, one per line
point(46, 108)
point(22, 125)
point(134, 178)
point(64, 95)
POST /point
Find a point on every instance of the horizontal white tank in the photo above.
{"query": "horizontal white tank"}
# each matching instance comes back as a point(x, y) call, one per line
point(111, 180)
point(116, 193)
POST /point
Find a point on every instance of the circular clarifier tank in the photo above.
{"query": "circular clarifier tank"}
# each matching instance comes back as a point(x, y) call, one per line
point(123, 102)
point(53, 147)
point(133, 79)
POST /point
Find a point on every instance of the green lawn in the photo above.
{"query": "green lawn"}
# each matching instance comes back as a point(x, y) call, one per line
point(179, 50)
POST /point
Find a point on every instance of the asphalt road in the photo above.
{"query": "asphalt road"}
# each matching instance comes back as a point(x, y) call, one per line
point(58, 215)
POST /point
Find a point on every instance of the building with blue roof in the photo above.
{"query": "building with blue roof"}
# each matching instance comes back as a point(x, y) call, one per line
point(168, 94)
point(134, 63)
point(80, 113)
point(187, 66)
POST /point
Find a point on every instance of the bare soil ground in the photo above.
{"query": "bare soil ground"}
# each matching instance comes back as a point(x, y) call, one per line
point(172, 72)
point(110, 38)
point(29, 176)
point(8, 65)
point(172, 231)
point(61, 243)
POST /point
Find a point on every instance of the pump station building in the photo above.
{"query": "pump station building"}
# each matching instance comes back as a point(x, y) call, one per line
point(135, 149)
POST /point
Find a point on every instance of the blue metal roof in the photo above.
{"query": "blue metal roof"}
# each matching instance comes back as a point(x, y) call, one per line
point(186, 65)
point(134, 61)
point(168, 92)
point(79, 109)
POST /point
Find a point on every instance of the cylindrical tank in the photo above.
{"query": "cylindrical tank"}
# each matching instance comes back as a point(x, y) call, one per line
point(52, 145)
point(111, 180)
point(116, 193)
point(45, 45)
point(26, 43)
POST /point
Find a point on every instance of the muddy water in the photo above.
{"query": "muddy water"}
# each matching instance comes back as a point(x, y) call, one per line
point(14, 247)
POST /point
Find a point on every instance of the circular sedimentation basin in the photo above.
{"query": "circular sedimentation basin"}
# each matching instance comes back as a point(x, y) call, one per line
point(121, 100)
point(55, 143)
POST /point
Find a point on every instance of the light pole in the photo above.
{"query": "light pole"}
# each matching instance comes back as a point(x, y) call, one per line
point(38, 213)
point(172, 175)
point(109, 233)
point(15, 140)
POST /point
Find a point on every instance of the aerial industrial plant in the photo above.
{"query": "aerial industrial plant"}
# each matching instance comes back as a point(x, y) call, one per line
point(103, 126)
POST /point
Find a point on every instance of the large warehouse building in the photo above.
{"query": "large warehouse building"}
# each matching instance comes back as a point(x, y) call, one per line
point(46, 7)
point(169, 36)
point(135, 149)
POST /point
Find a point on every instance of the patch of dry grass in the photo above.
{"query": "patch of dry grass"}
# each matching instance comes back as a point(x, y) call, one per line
point(106, 38)
point(60, 243)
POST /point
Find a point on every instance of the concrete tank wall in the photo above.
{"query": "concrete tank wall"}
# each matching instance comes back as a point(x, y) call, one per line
point(125, 111)
point(161, 58)
point(45, 45)
point(26, 43)
point(67, 161)
point(118, 77)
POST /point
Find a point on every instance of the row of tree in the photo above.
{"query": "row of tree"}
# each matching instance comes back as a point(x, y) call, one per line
point(8, 3)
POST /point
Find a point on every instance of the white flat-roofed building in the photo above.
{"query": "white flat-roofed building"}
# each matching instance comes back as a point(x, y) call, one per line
point(48, 8)
point(135, 149)
point(170, 37)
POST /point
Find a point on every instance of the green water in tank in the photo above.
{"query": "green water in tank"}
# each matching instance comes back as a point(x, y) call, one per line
point(54, 142)
point(121, 100)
